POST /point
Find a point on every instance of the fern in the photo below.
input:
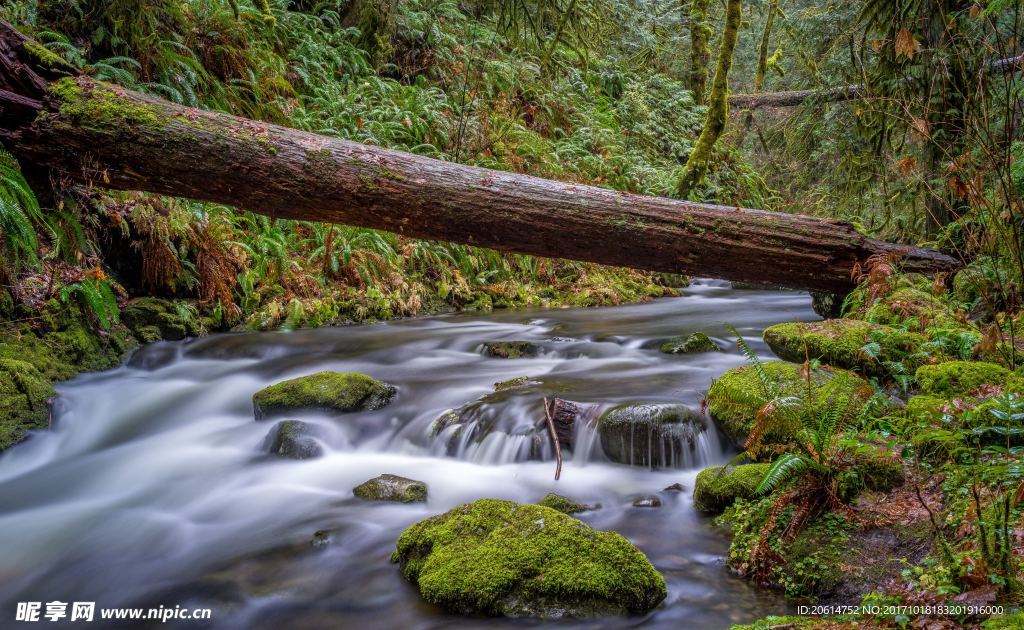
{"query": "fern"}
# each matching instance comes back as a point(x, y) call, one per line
point(19, 213)
point(97, 297)
point(784, 469)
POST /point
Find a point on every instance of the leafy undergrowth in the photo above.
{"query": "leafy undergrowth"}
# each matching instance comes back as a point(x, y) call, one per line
point(948, 409)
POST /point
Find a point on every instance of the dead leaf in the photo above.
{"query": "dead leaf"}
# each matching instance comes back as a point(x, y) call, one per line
point(906, 44)
point(907, 164)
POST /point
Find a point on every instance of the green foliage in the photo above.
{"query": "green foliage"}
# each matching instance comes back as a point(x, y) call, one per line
point(19, 215)
point(97, 297)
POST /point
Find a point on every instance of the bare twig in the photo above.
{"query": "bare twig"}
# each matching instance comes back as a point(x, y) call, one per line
point(554, 438)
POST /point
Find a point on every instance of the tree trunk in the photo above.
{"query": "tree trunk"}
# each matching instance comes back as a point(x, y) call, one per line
point(718, 103)
point(105, 135)
point(700, 53)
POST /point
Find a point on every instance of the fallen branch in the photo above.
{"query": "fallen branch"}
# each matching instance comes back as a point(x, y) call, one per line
point(554, 437)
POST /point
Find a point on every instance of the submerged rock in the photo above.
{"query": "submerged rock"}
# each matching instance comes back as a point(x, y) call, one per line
point(564, 505)
point(511, 349)
point(24, 400)
point(647, 502)
point(495, 557)
point(324, 392)
point(737, 397)
point(676, 487)
point(649, 434)
point(717, 487)
point(696, 342)
point(392, 488)
point(294, 439)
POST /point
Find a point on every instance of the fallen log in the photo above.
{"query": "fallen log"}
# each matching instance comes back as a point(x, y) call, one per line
point(105, 135)
point(792, 98)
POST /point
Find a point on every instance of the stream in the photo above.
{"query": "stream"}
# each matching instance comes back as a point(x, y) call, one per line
point(154, 487)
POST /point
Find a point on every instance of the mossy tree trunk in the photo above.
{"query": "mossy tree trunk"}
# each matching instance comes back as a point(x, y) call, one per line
point(718, 103)
point(762, 60)
point(94, 132)
point(700, 51)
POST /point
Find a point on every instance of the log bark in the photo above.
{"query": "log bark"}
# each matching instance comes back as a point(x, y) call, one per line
point(105, 135)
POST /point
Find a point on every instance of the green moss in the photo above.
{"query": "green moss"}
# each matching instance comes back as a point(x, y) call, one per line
point(736, 397)
point(320, 163)
point(879, 470)
point(392, 488)
point(499, 558)
point(323, 391)
point(24, 396)
point(911, 308)
point(1004, 622)
point(562, 504)
point(839, 342)
point(696, 342)
point(152, 319)
point(959, 377)
point(716, 488)
point(101, 107)
point(46, 57)
point(511, 383)
point(511, 349)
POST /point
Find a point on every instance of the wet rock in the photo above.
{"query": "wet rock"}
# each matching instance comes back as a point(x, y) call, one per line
point(717, 487)
point(676, 487)
point(647, 502)
point(294, 439)
point(511, 349)
point(494, 557)
point(322, 538)
point(323, 392)
point(737, 397)
point(650, 434)
point(152, 319)
point(564, 505)
point(512, 383)
point(696, 342)
point(392, 488)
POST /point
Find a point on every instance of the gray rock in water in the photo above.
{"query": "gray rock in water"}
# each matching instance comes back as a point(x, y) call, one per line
point(647, 502)
point(294, 439)
point(511, 349)
point(696, 342)
point(392, 488)
point(676, 487)
point(655, 435)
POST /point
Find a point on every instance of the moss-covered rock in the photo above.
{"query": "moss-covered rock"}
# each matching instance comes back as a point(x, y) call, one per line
point(651, 434)
point(717, 487)
point(956, 377)
point(392, 488)
point(24, 400)
point(562, 504)
point(512, 383)
point(736, 397)
point(873, 469)
point(330, 392)
point(696, 342)
point(496, 557)
point(911, 308)
point(152, 319)
point(294, 439)
point(840, 342)
point(511, 349)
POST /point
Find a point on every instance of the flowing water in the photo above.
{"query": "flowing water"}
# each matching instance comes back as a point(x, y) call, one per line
point(153, 488)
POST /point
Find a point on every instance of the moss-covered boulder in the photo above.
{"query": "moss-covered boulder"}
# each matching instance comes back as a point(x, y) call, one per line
point(956, 377)
point(494, 557)
point(392, 488)
point(696, 342)
point(294, 439)
point(911, 308)
point(511, 349)
point(717, 487)
point(329, 392)
point(152, 319)
point(736, 397)
point(841, 343)
point(564, 505)
point(24, 400)
point(650, 434)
